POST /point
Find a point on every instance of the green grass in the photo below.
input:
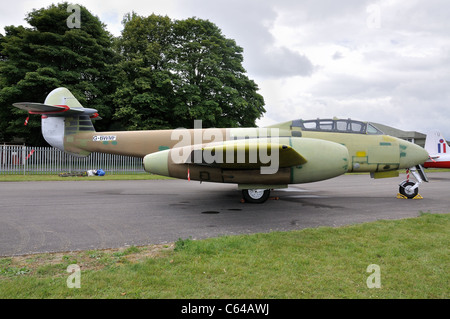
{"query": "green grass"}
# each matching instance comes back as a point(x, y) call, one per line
point(140, 176)
point(55, 177)
point(413, 256)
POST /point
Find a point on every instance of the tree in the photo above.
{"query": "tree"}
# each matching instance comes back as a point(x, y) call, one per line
point(159, 74)
point(175, 72)
point(144, 86)
point(210, 79)
point(36, 60)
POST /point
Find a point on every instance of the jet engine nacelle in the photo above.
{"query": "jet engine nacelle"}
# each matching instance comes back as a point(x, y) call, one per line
point(317, 160)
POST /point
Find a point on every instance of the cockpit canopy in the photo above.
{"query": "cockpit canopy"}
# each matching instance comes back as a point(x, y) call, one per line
point(337, 126)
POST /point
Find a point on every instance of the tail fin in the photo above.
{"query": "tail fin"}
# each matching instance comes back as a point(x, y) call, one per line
point(435, 144)
point(62, 116)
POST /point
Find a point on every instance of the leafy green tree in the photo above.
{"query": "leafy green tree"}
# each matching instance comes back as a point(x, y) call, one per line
point(175, 72)
point(144, 80)
point(210, 78)
point(36, 60)
point(158, 74)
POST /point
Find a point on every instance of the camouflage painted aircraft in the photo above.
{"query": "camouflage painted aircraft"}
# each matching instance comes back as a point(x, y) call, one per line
point(256, 159)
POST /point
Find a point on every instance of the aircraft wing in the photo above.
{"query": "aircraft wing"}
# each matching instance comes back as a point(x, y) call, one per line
point(246, 155)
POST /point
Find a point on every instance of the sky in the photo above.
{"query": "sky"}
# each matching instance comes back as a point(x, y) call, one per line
point(385, 61)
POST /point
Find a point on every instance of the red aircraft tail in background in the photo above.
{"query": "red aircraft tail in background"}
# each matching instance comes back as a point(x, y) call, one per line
point(437, 147)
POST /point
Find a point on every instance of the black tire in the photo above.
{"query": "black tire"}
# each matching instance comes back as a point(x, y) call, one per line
point(405, 190)
point(256, 196)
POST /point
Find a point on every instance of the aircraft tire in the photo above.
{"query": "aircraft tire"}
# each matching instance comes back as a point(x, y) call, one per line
point(256, 196)
point(405, 190)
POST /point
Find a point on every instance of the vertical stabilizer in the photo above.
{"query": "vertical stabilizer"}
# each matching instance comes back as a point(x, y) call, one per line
point(63, 97)
point(435, 144)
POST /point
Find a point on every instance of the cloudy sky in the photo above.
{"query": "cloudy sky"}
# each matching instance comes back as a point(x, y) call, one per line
point(386, 61)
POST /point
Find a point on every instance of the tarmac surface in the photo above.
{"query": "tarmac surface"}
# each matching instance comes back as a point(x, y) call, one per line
point(59, 216)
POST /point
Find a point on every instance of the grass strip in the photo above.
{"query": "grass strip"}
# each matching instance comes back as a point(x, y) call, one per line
point(55, 177)
point(325, 262)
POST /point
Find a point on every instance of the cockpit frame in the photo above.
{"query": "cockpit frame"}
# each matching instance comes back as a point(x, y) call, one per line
point(337, 126)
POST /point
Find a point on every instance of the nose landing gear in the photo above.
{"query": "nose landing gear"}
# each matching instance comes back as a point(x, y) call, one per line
point(409, 189)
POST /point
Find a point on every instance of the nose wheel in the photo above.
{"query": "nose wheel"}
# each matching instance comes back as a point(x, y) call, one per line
point(408, 189)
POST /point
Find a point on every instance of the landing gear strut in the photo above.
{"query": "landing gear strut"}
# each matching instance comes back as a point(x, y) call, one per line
point(409, 189)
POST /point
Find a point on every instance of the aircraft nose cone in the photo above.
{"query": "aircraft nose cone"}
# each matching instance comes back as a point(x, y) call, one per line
point(411, 154)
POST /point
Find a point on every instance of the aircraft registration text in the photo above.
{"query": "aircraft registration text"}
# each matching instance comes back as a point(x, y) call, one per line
point(101, 138)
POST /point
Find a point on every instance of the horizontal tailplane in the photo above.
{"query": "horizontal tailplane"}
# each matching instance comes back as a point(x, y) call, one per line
point(62, 117)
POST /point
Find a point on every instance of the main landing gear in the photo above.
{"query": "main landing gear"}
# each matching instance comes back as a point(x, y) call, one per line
point(256, 196)
point(409, 189)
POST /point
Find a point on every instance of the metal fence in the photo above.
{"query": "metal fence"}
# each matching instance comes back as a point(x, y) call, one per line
point(47, 160)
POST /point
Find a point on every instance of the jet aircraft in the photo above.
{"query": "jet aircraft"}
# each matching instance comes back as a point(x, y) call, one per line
point(256, 159)
point(437, 147)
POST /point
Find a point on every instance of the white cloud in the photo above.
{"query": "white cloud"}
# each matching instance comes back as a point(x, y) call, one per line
point(249, 22)
point(386, 61)
point(395, 73)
